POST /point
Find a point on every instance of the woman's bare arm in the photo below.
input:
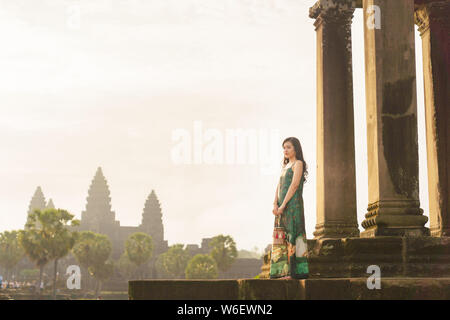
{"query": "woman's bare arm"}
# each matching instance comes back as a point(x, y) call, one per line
point(298, 170)
point(276, 194)
point(275, 203)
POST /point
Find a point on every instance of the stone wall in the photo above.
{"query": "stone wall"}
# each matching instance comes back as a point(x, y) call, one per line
point(396, 257)
point(310, 289)
point(243, 268)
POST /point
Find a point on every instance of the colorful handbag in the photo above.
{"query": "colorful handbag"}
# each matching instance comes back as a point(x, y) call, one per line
point(279, 240)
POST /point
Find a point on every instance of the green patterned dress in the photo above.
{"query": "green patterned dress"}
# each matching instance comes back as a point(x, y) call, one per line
point(289, 248)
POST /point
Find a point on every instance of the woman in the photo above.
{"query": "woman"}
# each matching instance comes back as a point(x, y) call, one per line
point(289, 248)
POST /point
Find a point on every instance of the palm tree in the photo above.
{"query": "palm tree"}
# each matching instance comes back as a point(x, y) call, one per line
point(11, 251)
point(139, 248)
point(173, 262)
point(201, 266)
point(223, 251)
point(47, 237)
point(92, 250)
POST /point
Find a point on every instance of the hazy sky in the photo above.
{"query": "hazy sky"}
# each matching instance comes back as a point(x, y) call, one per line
point(108, 83)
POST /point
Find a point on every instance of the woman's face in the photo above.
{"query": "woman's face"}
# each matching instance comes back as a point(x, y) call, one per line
point(289, 151)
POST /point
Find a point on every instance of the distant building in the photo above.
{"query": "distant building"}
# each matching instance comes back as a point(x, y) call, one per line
point(50, 204)
point(241, 268)
point(98, 217)
point(37, 202)
point(196, 249)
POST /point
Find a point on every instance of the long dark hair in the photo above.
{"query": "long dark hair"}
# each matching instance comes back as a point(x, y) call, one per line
point(298, 154)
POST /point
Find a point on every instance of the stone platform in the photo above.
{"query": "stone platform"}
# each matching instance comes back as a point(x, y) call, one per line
point(410, 268)
point(399, 257)
point(309, 289)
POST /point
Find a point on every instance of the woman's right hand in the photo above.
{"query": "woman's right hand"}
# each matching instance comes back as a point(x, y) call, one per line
point(275, 209)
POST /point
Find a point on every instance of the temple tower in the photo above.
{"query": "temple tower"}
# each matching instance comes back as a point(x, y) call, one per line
point(50, 204)
point(37, 201)
point(98, 216)
point(152, 220)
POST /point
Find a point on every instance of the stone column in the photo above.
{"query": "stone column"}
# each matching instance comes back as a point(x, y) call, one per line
point(336, 182)
point(433, 19)
point(391, 103)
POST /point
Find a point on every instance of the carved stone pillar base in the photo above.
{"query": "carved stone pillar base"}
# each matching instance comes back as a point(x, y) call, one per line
point(334, 229)
point(394, 218)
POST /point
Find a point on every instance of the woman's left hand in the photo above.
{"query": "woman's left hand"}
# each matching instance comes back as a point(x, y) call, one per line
point(281, 209)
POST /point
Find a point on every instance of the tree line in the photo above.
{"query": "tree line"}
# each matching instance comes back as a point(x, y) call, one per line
point(49, 236)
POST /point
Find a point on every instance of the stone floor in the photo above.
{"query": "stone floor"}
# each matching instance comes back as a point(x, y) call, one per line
point(310, 289)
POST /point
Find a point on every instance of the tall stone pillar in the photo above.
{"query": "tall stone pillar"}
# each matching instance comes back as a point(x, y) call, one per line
point(336, 182)
point(433, 19)
point(391, 103)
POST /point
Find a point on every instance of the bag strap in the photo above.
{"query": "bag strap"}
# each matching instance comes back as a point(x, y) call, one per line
point(277, 220)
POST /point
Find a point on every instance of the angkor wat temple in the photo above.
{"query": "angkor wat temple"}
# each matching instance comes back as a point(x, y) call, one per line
point(99, 217)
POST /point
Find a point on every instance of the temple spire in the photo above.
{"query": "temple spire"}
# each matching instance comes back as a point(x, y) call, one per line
point(37, 201)
point(152, 218)
point(98, 214)
point(50, 204)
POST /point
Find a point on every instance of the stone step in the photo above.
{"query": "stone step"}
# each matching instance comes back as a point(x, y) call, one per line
point(397, 257)
point(309, 289)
